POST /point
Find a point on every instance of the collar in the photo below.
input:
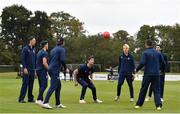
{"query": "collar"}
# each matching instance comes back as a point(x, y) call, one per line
point(88, 67)
point(150, 48)
point(29, 47)
point(126, 55)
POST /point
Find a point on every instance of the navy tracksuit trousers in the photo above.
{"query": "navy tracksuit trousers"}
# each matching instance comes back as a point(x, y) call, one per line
point(86, 83)
point(162, 80)
point(55, 86)
point(43, 81)
point(27, 83)
point(129, 80)
point(154, 81)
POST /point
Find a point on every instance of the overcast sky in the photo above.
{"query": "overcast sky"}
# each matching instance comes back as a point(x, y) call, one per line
point(109, 15)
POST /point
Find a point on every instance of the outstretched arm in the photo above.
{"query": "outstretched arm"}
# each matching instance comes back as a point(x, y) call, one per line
point(142, 62)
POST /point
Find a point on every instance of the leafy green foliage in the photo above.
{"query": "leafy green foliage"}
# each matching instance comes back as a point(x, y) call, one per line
point(17, 23)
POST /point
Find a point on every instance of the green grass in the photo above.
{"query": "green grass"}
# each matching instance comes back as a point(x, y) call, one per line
point(10, 87)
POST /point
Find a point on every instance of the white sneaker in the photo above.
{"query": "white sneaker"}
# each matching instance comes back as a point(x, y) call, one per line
point(147, 99)
point(46, 106)
point(137, 107)
point(116, 98)
point(98, 101)
point(162, 100)
point(39, 102)
point(60, 106)
point(131, 99)
point(158, 108)
point(82, 101)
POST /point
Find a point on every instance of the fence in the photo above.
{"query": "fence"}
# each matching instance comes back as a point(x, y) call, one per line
point(14, 68)
point(173, 66)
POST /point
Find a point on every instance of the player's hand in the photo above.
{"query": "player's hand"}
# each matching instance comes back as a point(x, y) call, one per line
point(25, 71)
point(76, 84)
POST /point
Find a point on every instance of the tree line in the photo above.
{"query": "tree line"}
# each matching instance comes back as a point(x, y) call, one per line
point(17, 23)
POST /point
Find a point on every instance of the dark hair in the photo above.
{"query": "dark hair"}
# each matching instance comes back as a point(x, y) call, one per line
point(43, 43)
point(149, 42)
point(90, 57)
point(60, 40)
point(30, 38)
point(160, 47)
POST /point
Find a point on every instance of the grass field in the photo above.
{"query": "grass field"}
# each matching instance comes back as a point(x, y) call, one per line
point(10, 87)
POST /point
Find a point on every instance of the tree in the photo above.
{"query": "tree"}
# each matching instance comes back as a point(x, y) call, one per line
point(40, 26)
point(7, 56)
point(145, 32)
point(169, 39)
point(15, 25)
point(163, 36)
point(65, 25)
point(176, 41)
point(121, 35)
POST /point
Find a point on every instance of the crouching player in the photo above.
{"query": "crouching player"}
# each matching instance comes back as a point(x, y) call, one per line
point(83, 76)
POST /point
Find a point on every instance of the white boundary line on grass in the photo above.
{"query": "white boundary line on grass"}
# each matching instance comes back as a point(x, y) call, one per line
point(92, 113)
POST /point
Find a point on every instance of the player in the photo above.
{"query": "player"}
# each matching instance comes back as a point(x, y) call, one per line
point(150, 61)
point(126, 71)
point(28, 62)
point(84, 75)
point(57, 58)
point(41, 69)
point(162, 76)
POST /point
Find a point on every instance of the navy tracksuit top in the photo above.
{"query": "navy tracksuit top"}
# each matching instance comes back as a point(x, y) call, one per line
point(162, 67)
point(84, 71)
point(152, 60)
point(28, 57)
point(57, 58)
point(39, 59)
point(126, 64)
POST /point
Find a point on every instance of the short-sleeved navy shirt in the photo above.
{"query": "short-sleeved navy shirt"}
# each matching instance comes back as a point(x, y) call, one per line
point(84, 71)
point(39, 60)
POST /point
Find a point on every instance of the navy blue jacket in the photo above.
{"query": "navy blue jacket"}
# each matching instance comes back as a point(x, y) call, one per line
point(126, 64)
point(39, 59)
point(28, 57)
point(151, 60)
point(84, 71)
point(163, 68)
point(57, 59)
